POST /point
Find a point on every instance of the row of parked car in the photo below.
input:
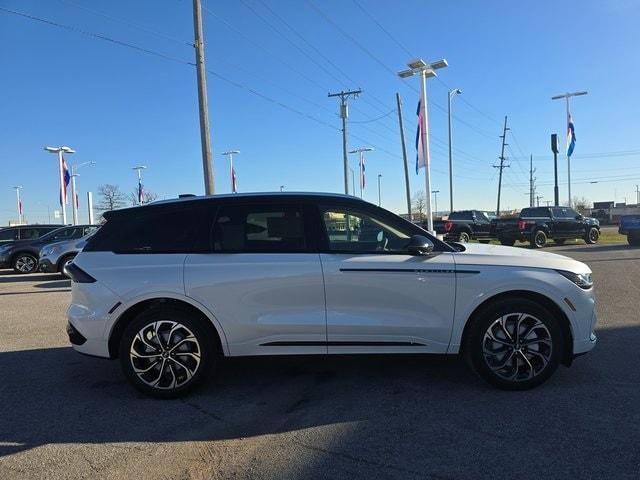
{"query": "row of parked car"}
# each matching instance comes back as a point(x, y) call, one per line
point(536, 225)
point(45, 248)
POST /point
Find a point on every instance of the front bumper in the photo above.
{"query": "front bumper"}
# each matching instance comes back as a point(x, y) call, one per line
point(47, 266)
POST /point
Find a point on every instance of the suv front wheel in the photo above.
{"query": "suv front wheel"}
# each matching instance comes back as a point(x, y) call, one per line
point(25, 263)
point(165, 351)
point(515, 344)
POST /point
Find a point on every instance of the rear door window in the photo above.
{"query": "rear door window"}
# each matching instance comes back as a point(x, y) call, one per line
point(259, 229)
point(30, 233)
point(535, 212)
point(8, 235)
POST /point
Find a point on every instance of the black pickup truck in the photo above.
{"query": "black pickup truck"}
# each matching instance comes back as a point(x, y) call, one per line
point(539, 224)
point(465, 225)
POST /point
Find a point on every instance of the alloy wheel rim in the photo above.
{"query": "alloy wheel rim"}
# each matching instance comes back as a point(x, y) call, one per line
point(464, 238)
point(165, 354)
point(593, 235)
point(540, 241)
point(25, 264)
point(517, 347)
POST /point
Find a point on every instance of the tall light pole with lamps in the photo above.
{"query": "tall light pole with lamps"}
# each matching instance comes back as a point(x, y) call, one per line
point(232, 172)
point(139, 169)
point(361, 151)
point(435, 195)
point(425, 70)
point(74, 195)
point(60, 151)
point(567, 96)
point(19, 203)
point(452, 93)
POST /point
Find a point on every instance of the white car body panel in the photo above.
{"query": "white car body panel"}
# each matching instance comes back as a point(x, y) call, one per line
point(269, 303)
point(376, 300)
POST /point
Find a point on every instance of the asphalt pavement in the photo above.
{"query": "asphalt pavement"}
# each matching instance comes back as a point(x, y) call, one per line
point(63, 415)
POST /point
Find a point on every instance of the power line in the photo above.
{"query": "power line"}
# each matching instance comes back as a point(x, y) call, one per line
point(394, 39)
point(98, 36)
point(128, 23)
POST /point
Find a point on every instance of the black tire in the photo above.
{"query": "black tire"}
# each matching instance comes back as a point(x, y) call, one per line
point(63, 261)
point(538, 239)
point(187, 369)
point(483, 355)
point(464, 237)
point(484, 241)
point(633, 240)
point(506, 242)
point(24, 263)
point(592, 236)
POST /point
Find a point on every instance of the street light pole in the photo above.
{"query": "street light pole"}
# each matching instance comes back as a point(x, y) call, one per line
point(230, 154)
point(74, 194)
point(567, 96)
point(139, 169)
point(425, 70)
point(353, 182)
point(361, 151)
point(61, 165)
point(435, 194)
point(19, 203)
point(379, 191)
point(452, 93)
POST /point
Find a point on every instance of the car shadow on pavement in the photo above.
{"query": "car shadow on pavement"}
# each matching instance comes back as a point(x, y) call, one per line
point(423, 415)
point(602, 247)
point(9, 276)
point(54, 284)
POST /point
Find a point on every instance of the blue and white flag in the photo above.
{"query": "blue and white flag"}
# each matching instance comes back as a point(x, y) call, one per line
point(140, 192)
point(420, 160)
point(571, 136)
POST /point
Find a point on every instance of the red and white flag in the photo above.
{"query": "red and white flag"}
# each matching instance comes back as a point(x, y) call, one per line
point(234, 181)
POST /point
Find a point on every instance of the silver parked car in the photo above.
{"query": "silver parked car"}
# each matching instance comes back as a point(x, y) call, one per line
point(55, 256)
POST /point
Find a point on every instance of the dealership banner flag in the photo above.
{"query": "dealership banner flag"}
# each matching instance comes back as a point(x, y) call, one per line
point(66, 178)
point(420, 138)
point(571, 136)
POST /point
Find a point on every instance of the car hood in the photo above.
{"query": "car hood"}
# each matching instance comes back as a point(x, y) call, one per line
point(497, 255)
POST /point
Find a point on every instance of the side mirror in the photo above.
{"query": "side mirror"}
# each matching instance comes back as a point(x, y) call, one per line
point(420, 245)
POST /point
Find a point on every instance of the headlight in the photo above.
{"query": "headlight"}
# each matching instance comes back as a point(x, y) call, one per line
point(46, 251)
point(583, 280)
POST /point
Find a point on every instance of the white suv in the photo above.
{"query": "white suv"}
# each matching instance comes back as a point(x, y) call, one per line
point(171, 287)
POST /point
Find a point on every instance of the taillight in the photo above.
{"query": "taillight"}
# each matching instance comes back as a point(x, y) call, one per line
point(77, 274)
point(448, 226)
point(522, 225)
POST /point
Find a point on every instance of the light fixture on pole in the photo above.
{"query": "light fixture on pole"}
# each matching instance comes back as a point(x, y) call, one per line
point(63, 173)
point(567, 96)
point(425, 70)
point(139, 169)
point(74, 192)
point(361, 151)
point(19, 203)
point(230, 154)
point(379, 192)
point(452, 93)
point(435, 194)
point(282, 188)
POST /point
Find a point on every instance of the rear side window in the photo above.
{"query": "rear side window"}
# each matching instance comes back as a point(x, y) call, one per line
point(31, 233)
point(535, 212)
point(151, 230)
point(461, 216)
point(253, 229)
point(8, 235)
point(564, 212)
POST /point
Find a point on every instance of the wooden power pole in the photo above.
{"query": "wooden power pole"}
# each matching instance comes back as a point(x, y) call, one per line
point(344, 115)
point(502, 166)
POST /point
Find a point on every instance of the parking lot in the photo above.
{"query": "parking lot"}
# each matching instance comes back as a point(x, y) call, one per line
point(63, 415)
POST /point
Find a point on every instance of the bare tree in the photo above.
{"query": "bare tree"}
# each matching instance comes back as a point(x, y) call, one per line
point(582, 205)
point(111, 197)
point(148, 197)
point(419, 204)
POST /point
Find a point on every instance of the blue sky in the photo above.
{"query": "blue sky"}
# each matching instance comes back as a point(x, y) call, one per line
point(120, 107)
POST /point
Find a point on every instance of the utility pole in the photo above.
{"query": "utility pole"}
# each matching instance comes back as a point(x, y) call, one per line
point(567, 96)
point(379, 191)
point(404, 155)
point(203, 103)
point(554, 149)
point(532, 186)
point(344, 115)
point(538, 197)
point(452, 93)
point(502, 166)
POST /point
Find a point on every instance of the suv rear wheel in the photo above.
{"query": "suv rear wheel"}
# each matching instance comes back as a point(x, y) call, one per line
point(165, 351)
point(25, 263)
point(464, 237)
point(515, 344)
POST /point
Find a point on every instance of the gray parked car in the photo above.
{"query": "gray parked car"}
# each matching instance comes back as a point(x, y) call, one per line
point(55, 256)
